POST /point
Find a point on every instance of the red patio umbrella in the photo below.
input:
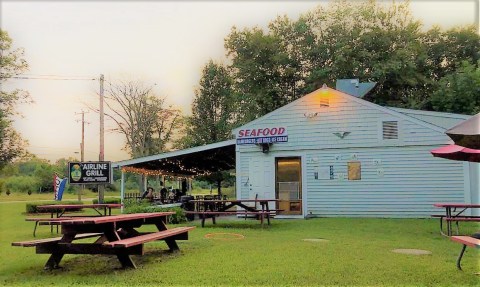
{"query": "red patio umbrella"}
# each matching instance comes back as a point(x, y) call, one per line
point(467, 133)
point(456, 152)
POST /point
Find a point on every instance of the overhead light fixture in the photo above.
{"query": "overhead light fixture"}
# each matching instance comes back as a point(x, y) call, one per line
point(265, 147)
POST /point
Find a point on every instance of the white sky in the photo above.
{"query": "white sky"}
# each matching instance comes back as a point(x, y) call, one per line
point(165, 43)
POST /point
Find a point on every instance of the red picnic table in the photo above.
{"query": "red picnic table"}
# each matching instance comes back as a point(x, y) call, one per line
point(115, 235)
point(60, 211)
point(454, 212)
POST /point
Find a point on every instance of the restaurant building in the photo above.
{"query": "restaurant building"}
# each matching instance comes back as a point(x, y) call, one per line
point(331, 154)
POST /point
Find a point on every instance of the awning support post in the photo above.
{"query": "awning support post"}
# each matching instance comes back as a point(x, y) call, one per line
point(122, 190)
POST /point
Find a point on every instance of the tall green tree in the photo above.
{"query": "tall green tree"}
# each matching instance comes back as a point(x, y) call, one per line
point(459, 92)
point(213, 109)
point(12, 63)
point(268, 67)
point(360, 39)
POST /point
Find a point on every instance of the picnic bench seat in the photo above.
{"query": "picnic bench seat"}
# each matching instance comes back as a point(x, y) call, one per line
point(45, 221)
point(456, 219)
point(31, 243)
point(177, 233)
point(466, 241)
point(463, 218)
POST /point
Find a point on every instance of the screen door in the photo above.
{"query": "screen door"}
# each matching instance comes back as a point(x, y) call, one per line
point(288, 179)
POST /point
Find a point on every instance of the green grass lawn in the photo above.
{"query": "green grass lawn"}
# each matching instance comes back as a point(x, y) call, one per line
point(358, 252)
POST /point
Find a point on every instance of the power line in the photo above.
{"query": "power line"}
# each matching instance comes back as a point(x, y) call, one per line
point(51, 77)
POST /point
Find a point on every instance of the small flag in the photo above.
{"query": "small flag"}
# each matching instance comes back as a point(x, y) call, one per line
point(59, 186)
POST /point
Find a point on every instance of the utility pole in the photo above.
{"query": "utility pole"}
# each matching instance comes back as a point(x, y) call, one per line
point(101, 187)
point(82, 150)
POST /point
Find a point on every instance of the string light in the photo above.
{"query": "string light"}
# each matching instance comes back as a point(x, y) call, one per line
point(143, 171)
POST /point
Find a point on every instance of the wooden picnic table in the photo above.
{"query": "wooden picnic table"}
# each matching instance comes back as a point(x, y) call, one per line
point(454, 212)
point(62, 211)
point(210, 208)
point(115, 235)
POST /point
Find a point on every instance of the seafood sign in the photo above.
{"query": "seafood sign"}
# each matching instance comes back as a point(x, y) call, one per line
point(262, 135)
point(89, 172)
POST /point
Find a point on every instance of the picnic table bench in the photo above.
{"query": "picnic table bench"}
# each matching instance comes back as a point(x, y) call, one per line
point(115, 235)
point(466, 241)
point(216, 207)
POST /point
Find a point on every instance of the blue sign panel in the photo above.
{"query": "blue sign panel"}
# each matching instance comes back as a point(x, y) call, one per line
point(277, 139)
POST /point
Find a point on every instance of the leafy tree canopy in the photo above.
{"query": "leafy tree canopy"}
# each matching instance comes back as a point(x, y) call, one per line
point(366, 40)
point(12, 146)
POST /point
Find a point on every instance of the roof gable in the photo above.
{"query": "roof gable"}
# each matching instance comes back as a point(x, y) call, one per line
point(348, 98)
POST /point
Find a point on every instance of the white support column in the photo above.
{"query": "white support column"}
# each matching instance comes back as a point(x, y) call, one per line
point(122, 189)
point(145, 183)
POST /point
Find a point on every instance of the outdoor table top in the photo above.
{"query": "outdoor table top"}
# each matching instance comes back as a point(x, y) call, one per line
point(460, 205)
point(74, 206)
point(113, 218)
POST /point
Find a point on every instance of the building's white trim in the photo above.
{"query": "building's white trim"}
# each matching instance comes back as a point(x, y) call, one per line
point(430, 113)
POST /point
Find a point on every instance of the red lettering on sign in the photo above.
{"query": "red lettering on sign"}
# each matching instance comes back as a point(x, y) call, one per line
point(259, 132)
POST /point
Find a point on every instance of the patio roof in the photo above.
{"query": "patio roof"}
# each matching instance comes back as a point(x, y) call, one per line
point(192, 161)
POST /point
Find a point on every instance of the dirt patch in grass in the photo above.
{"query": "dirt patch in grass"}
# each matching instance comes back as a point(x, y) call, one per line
point(412, 251)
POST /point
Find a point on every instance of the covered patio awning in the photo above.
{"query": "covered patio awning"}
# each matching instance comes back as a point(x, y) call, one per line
point(187, 162)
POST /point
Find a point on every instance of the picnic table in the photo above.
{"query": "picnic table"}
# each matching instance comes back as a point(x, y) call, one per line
point(115, 235)
point(63, 211)
point(454, 212)
point(211, 208)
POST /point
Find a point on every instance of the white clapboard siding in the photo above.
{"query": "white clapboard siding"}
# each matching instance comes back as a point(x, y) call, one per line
point(399, 177)
point(361, 119)
point(444, 120)
point(410, 183)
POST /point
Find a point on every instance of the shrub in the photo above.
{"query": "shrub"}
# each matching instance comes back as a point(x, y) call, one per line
point(2, 186)
point(22, 184)
point(144, 206)
point(32, 207)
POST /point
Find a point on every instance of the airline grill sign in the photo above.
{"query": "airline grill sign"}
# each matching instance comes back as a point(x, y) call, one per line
point(262, 135)
point(99, 172)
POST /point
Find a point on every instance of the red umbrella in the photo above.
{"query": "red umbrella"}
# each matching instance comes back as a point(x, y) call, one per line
point(467, 133)
point(456, 152)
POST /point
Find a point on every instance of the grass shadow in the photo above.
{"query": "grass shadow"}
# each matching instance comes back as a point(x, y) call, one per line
point(84, 265)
